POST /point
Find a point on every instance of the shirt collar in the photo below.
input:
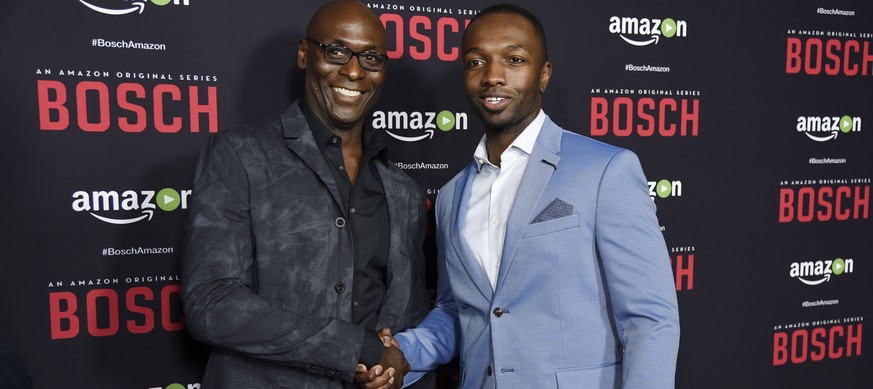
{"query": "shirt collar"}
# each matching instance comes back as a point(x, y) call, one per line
point(374, 144)
point(524, 141)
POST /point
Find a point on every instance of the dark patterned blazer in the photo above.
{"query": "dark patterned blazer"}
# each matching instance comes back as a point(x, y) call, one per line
point(267, 248)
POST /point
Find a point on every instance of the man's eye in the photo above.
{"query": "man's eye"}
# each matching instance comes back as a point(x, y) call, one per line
point(336, 52)
point(475, 63)
point(516, 60)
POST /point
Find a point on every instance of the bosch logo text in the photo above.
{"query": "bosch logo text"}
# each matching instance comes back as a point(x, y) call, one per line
point(625, 116)
point(422, 38)
point(106, 311)
point(805, 204)
point(683, 271)
point(132, 107)
point(803, 345)
point(831, 57)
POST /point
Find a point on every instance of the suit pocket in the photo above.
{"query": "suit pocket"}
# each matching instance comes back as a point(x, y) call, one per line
point(596, 377)
point(550, 226)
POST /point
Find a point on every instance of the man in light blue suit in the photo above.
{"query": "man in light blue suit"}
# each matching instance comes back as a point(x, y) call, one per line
point(553, 272)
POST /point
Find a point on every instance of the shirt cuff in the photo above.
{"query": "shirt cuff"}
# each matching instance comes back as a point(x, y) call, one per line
point(371, 352)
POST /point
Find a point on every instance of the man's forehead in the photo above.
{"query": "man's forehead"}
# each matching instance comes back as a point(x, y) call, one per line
point(499, 36)
point(354, 28)
point(496, 45)
point(489, 28)
point(502, 18)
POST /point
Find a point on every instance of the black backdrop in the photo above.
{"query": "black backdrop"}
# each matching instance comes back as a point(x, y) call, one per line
point(747, 118)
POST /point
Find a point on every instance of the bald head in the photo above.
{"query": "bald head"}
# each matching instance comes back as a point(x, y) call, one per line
point(329, 15)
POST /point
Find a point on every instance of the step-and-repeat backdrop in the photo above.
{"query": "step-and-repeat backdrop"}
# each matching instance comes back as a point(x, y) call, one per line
point(748, 118)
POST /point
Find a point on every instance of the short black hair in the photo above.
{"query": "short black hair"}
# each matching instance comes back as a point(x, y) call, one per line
point(516, 10)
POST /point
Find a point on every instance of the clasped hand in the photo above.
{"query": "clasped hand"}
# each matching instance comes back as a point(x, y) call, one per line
point(388, 374)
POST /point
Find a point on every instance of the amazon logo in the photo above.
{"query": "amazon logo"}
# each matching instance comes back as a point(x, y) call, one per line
point(665, 188)
point(417, 126)
point(820, 272)
point(115, 7)
point(827, 128)
point(646, 31)
point(128, 206)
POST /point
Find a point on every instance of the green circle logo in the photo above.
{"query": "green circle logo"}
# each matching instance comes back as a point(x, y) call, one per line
point(175, 386)
point(168, 199)
point(161, 2)
point(846, 124)
point(445, 120)
point(839, 266)
point(668, 27)
point(664, 188)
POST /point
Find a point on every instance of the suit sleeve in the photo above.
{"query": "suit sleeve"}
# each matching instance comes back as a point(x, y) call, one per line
point(417, 300)
point(636, 267)
point(434, 341)
point(219, 275)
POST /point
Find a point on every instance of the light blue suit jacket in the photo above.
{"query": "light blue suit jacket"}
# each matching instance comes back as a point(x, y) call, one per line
point(585, 296)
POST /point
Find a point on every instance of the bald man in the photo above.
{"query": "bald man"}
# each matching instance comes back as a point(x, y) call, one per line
point(304, 239)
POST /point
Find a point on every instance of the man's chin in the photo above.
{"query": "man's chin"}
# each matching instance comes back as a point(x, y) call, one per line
point(495, 121)
point(487, 115)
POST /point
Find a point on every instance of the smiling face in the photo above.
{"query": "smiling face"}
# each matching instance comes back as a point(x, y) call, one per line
point(505, 71)
point(340, 95)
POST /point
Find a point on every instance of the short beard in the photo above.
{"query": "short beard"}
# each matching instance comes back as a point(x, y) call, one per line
point(501, 127)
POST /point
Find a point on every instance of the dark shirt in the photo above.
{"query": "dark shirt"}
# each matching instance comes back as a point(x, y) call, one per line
point(366, 210)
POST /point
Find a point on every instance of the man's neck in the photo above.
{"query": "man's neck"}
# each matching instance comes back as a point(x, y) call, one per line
point(498, 140)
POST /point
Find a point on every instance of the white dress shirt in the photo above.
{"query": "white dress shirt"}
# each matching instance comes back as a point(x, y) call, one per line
point(492, 196)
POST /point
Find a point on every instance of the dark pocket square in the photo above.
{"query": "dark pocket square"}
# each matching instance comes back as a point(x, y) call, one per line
point(558, 208)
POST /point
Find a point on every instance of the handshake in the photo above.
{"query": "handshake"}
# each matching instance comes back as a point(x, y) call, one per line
point(389, 372)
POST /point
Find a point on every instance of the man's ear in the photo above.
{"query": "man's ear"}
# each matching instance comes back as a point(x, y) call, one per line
point(301, 55)
point(545, 76)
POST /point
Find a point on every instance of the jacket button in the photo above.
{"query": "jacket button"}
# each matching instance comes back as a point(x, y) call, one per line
point(490, 371)
point(340, 222)
point(498, 312)
point(340, 288)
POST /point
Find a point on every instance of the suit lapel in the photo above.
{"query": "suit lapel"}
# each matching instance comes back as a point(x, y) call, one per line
point(543, 162)
point(460, 204)
point(299, 139)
